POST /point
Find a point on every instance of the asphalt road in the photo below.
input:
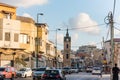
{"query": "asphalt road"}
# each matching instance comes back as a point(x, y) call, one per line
point(23, 79)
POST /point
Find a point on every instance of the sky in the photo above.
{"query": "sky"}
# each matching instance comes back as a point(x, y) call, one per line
point(85, 19)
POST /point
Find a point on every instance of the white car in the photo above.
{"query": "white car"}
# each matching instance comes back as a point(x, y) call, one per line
point(97, 70)
point(24, 72)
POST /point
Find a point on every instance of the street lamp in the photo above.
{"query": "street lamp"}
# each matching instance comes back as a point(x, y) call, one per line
point(13, 61)
point(58, 29)
point(37, 40)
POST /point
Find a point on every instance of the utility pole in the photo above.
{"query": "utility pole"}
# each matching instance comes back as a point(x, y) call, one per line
point(112, 40)
point(109, 21)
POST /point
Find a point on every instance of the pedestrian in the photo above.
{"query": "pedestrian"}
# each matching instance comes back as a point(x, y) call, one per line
point(115, 71)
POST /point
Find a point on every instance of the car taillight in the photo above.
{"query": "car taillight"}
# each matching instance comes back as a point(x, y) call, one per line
point(44, 75)
point(57, 76)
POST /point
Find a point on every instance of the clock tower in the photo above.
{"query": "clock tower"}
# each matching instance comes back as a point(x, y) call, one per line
point(67, 50)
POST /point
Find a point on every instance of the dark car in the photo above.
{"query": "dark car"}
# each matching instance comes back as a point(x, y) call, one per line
point(67, 70)
point(53, 74)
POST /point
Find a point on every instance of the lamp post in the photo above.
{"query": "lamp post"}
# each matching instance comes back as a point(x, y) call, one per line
point(0, 58)
point(37, 40)
point(56, 47)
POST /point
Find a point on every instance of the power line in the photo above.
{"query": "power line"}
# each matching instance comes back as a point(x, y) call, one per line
point(114, 7)
point(80, 27)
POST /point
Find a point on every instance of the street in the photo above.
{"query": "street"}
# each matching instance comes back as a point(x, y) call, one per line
point(79, 76)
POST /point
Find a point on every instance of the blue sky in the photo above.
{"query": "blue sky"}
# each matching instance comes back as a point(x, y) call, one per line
point(76, 14)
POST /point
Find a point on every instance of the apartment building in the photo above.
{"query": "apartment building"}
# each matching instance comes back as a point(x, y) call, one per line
point(108, 54)
point(21, 40)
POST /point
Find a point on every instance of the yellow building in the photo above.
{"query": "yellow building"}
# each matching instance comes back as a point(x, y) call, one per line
point(17, 40)
point(20, 37)
point(41, 43)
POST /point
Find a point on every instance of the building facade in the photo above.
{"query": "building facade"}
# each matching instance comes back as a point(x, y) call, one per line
point(107, 52)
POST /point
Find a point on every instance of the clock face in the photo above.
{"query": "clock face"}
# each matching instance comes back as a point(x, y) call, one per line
point(67, 39)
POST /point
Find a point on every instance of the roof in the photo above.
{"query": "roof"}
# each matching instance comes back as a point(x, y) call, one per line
point(82, 55)
point(6, 5)
point(25, 19)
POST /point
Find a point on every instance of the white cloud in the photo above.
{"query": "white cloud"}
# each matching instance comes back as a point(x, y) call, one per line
point(84, 23)
point(92, 43)
point(27, 15)
point(116, 32)
point(60, 39)
point(74, 38)
point(25, 3)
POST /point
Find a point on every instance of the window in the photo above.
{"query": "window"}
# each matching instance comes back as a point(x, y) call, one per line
point(8, 16)
point(23, 38)
point(7, 36)
point(67, 46)
point(67, 56)
point(16, 36)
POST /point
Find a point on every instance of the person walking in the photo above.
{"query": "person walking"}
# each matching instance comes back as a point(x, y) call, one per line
point(115, 71)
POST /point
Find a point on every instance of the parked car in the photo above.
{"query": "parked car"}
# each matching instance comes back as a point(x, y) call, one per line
point(53, 74)
point(74, 70)
point(38, 72)
point(7, 73)
point(67, 70)
point(89, 69)
point(24, 72)
point(97, 70)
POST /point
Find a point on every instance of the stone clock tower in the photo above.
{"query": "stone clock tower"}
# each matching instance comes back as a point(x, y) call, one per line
point(67, 50)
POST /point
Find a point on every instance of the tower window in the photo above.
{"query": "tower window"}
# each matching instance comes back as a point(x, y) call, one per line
point(67, 56)
point(67, 46)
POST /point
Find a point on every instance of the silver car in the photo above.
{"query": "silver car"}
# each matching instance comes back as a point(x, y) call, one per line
point(38, 72)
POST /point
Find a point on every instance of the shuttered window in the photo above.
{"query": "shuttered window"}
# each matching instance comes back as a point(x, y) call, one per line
point(7, 36)
point(1, 35)
point(16, 36)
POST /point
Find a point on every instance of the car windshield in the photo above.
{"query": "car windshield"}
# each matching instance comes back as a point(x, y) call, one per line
point(40, 69)
point(66, 68)
point(2, 69)
point(54, 72)
point(23, 69)
point(96, 68)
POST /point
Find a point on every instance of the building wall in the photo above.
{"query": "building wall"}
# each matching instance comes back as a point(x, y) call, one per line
point(4, 8)
point(28, 29)
point(9, 25)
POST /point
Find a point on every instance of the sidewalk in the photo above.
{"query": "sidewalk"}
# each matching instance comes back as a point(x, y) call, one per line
point(105, 77)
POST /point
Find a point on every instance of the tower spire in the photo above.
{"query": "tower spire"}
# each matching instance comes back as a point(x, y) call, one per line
point(67, 34)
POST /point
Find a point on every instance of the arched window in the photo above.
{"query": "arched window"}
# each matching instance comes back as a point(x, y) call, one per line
point(67, 46)
point(67, 56)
